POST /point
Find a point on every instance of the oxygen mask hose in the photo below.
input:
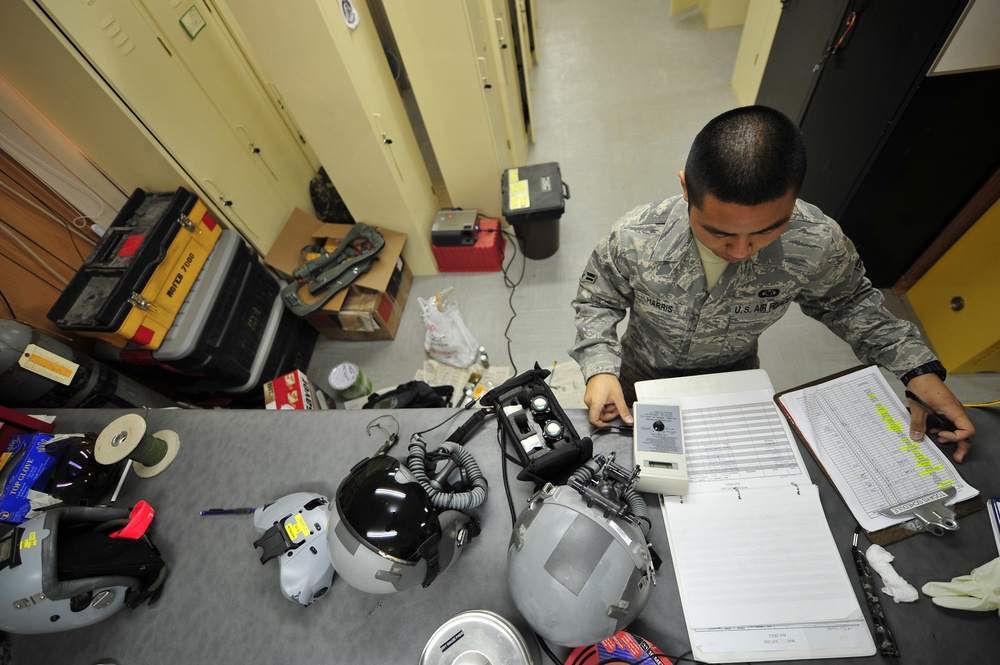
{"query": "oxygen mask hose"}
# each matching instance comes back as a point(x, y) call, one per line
point(421, 466)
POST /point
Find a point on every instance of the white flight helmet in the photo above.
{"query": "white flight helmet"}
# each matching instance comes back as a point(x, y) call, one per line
point(293, 530)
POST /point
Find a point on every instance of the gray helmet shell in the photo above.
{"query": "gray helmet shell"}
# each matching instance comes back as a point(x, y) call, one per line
point(32, 598)
point(575, 575)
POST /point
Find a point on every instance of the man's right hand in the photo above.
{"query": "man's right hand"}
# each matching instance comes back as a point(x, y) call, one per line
point(605, 400)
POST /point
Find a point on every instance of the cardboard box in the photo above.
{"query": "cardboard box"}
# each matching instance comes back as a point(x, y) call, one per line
point(372, 306)
point(294, 391)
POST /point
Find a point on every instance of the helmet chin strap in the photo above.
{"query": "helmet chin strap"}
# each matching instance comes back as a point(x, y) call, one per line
point(430, 553)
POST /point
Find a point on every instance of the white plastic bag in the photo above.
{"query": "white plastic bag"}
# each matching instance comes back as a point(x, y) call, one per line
point(448, 338)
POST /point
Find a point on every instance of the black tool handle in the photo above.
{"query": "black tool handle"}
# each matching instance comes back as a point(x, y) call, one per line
point(469, 427)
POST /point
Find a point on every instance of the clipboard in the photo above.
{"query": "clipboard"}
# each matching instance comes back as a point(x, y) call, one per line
point(881, 536)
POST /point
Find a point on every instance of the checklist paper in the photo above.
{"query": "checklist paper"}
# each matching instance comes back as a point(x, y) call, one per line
point(759, 574)
point(859, 432)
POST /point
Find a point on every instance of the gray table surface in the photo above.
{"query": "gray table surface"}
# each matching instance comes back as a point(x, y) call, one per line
point(220, 605)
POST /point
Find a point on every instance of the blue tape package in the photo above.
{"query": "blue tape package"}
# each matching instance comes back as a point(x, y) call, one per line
point(26, 464)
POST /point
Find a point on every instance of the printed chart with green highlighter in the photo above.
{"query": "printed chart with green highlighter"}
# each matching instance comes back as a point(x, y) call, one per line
point(858, 431)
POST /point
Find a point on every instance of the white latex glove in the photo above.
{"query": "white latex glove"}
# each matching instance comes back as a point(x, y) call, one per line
point(978, 591)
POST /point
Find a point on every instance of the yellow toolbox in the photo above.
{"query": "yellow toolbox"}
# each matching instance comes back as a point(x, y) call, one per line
point(132, 285)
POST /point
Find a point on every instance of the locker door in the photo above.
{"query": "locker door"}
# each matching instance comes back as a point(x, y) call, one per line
point(445, 59)
point(523, 57)
point(338, 85)
point(141, 63)
point(215, 60)
point(487, 60)
point(498, 27)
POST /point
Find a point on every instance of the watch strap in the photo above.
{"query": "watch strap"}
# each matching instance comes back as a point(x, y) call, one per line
point(932, 367)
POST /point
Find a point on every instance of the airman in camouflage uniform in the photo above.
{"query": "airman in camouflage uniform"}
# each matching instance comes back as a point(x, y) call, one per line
point(649, 266)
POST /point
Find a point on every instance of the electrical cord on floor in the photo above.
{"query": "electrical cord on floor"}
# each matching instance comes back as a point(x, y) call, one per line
point(512, 285)
point(995, 402)
point(7, 303)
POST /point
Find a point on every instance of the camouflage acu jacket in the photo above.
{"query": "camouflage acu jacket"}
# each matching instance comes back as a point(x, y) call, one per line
point(649, 265)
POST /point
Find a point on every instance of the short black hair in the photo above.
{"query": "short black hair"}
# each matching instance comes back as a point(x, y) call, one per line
point(747, 156)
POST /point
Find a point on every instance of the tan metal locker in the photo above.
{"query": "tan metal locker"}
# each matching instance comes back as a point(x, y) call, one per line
point(755, 45)
point(337, 84)
point(186, 84)
point(452, 71)
point(37, 60)
point(517, 108)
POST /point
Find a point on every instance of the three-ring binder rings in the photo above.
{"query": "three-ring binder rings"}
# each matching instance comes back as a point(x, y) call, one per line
point(758, 571)
point(858, 431)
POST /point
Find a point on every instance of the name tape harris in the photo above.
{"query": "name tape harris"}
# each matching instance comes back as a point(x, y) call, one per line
point(758, 308)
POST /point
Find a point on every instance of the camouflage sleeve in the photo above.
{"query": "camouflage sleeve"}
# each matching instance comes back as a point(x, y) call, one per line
point(602, 299)
point(844, 300)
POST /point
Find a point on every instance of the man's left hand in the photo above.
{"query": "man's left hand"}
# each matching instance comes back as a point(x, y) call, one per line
point(932, 391)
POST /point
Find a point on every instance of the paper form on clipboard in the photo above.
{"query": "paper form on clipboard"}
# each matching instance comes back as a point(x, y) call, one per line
point(858, 431)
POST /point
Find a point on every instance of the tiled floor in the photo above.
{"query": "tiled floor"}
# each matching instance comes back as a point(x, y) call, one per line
point(618, 94)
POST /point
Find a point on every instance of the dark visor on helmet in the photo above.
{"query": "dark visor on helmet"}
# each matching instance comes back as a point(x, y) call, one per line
point(391, 514)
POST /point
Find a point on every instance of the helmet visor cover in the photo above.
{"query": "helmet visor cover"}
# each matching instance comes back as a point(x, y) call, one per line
point(387, 509)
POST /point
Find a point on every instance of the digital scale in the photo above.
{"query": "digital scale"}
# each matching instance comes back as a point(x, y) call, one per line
point(658, 449)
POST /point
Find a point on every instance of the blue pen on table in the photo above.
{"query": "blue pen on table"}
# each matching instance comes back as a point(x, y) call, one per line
point(229, 511)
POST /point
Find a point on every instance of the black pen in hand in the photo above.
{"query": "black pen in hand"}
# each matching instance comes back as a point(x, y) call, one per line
point(886, 642)
point(933, 419)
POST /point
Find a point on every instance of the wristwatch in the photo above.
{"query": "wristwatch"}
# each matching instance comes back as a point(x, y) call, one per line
point(933, 367)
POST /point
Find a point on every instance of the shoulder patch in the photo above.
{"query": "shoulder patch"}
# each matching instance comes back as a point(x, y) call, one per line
point(589, 277)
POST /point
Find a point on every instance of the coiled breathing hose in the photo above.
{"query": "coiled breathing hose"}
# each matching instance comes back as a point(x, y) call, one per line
point(417, 463)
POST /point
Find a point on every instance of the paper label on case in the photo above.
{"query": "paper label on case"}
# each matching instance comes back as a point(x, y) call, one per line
point(45, 363)
point(518, 197)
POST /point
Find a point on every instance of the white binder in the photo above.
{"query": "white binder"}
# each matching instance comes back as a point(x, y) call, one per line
point(759, 574)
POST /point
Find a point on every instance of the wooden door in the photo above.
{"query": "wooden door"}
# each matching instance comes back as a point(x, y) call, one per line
point(40, 247)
